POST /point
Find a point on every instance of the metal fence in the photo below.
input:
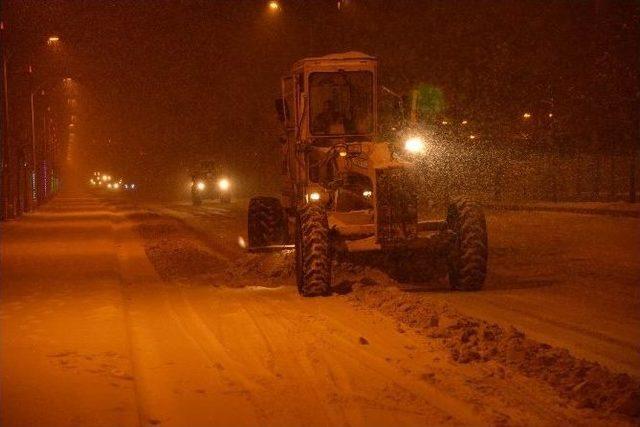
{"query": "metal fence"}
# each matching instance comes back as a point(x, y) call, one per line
point(506, 176)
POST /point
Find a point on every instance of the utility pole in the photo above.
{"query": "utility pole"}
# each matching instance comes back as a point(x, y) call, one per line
point(633, 170)
point(35, 182)
point(33, 152)
point(46, 154)
point(5, 188)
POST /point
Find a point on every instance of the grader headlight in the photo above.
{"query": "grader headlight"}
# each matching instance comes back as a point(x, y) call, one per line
point(415, 145)
point(200, 186)
point(224, 184)
point(316, 195)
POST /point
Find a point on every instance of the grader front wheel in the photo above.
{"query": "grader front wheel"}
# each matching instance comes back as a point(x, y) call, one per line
point(266, 223)
point(313, 253)
point(468, 257)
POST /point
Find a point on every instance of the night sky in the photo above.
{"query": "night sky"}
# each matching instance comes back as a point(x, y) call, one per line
point(163, 83)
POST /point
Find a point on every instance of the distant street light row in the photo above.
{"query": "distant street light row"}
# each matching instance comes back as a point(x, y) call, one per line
point(525, 116)
point(464, 122)
point(41, 167)
point(275, 6)
point(529, 115)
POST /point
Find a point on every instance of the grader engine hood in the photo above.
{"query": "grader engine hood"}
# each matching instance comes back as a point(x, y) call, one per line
point(396, 196)
point(395, 189)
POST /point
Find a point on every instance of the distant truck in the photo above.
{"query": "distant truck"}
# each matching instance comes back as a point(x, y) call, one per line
point(208, 183)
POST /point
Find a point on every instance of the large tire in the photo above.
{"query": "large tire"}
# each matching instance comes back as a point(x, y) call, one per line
point(267, 224)
point(313, 252)
point(469, 254)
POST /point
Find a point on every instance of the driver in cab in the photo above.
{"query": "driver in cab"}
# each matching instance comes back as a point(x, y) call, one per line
point(329, 121)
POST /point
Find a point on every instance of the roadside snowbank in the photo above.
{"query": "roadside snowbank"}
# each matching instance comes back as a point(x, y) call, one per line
point(174, 252)
point(470, 340)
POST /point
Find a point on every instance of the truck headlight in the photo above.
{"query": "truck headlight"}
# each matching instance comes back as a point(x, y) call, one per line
point(200, 186)
point(224, 184)
point(415, 145)
point(316, 194)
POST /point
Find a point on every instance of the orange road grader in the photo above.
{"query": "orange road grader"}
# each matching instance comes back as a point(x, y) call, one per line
point(346, 190)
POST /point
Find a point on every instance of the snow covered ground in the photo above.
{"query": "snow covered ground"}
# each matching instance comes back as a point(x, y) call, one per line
point(65, 354)
point(568, 279)
point(116, 314)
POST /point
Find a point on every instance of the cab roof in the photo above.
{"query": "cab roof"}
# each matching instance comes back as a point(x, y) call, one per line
point(337, 57)
point(352, 54)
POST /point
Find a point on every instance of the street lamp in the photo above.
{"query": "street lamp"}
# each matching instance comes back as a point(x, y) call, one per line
point(52, 41)
point(526, 115)
point(4, 153)
point(274, 6)
point(40, 89)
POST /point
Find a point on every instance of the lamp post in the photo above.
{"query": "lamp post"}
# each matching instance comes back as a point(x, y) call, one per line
point(33, 150)
point(4, 160)
point(52, 41)
point(34, 194)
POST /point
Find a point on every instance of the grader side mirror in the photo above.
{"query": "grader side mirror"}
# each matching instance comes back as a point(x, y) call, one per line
point(281, 108)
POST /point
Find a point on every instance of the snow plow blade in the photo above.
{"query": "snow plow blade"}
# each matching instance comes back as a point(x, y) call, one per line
point(271, 248)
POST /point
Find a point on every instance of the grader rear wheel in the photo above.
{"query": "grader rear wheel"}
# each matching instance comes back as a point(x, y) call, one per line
point(468, 257)
point(313, 252)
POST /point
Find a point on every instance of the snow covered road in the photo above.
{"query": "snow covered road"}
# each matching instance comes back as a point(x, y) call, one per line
point(112, 314)
point(572, 280)
point(65, 352)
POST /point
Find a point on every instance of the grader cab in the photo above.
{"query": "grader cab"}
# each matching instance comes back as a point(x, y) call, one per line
point(345, 190)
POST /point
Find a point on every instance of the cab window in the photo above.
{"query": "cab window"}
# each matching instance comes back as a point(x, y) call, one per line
point(341, 103)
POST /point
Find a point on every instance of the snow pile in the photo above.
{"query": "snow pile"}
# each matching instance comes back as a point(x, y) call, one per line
point(174, 252)
point(470, 340)
point(269, 268)
point(177, 252)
